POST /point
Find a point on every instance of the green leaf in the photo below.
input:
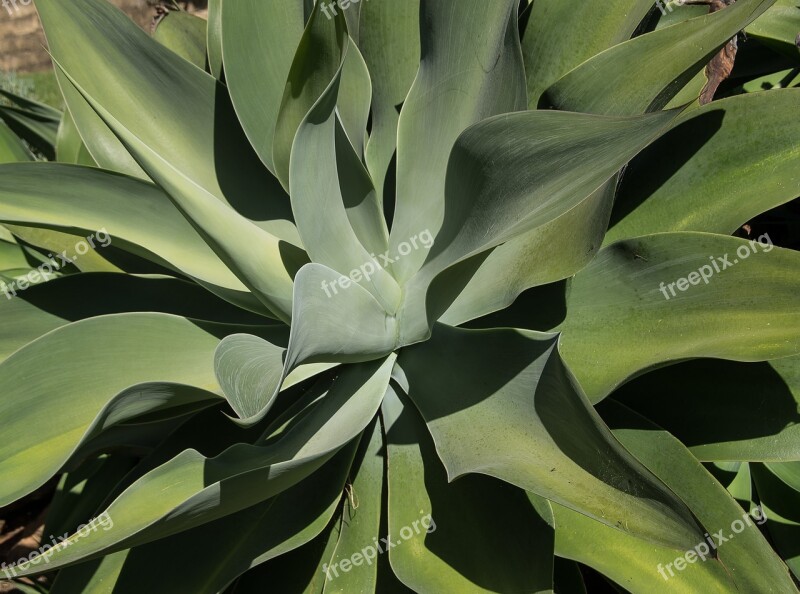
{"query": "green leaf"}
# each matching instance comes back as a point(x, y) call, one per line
point(745, 563)
point(178, 148)
point(67, 398)
point(780, 501)
point(643, 74)
point(338, 231)
point(187, 491)
point(389, 40)
point(259, 40)
point(513, 173)
point(537, 430)
point(778, 28)
point(315, 68)
point(246, 539)
point(471, 69)
point(561, 35)
point(250, 371)
point(214, 41)
point(549, 253)
point(433, 546)
point(730, 173)
point(361, 518)
point(69, 145)
point(11, 148)
point(754, 407)
point(747, 312)
point(38, 130)
point(185, 34)
point(138, 217)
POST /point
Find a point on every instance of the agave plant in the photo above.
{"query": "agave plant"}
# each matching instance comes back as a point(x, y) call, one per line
point(379, 310)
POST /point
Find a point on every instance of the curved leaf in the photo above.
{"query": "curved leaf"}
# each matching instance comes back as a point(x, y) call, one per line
point(749, 310)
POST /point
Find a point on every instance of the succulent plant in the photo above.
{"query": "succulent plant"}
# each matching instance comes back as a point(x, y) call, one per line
point(420, 296)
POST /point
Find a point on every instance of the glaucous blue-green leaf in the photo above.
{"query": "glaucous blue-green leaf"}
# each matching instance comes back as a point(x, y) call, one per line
point(336, 209)
point(512, 174)
point(314, 69)
point(333, 322)
point(246, 539)
point(663, 298)
point(470, 69)
point(69, 144)
point(500, 402)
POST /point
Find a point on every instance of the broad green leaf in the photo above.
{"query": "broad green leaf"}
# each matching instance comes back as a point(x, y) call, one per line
point(178, 148)
point(779, 80)
point(389, 40)
point(754, 407)
point(778, 28)
point(471, 69)
point(185, 34)
point(745, 563)
point(513, 173)
point(730, 173)
point(537, 430)
point(643, 74)
point(733, 299)
point(561, 35)
point(259, 40)
point(65, 398)
point(187, 491)
point(433, 523)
